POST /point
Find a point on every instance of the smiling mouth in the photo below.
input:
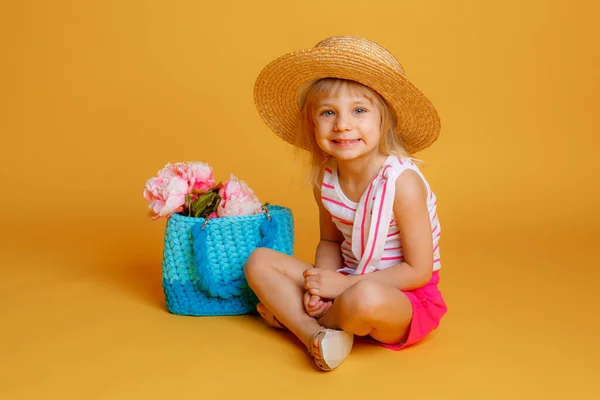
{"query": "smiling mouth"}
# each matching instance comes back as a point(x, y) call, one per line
point(346, 141)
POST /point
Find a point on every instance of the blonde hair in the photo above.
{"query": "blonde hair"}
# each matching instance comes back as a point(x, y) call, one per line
point(389, 144)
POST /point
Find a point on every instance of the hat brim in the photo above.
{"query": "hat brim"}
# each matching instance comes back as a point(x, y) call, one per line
point(277, 86)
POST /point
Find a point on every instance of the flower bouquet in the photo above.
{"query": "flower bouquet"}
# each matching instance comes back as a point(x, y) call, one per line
point(211, 230)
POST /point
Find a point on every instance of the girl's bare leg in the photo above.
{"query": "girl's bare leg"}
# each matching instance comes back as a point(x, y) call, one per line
point(268, 316)
point(277, 280)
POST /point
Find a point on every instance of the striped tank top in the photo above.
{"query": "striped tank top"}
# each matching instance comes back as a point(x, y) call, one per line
point(371, 236)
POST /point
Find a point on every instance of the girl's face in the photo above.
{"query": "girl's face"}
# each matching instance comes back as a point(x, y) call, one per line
point(347, 125)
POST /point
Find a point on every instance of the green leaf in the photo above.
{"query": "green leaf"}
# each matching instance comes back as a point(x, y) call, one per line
point(205, 204)
point(188, 199)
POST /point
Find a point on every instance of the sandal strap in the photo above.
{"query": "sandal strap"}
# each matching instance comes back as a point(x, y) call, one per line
point(311, 342)
point(321, 364)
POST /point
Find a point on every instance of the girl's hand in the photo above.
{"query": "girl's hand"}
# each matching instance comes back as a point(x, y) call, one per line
point(314, 306)
point(325, 283)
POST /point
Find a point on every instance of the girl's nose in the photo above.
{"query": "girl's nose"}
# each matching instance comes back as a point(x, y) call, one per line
point(342, 123)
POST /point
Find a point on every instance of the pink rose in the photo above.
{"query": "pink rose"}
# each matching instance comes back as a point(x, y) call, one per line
point(237, 199)
point(200, 177)
point(167, 191)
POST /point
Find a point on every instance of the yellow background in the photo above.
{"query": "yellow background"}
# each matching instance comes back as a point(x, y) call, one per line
point(97, 97)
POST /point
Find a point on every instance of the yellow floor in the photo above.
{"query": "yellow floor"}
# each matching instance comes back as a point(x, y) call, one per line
point(83, 317)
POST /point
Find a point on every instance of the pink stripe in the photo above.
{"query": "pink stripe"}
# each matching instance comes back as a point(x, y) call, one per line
point(401, 163)
point(394, 248)
point(328, 170)
point(378, 218)
point(346, 223)
point(436, 260)
point(343, 221)
point(393, 234)
point(348, 254)
point(430, 194)
point(362, 227)
point(434, 215)
point(376, 227)
point(436, 247)
point(392, 258)
point(434, 229)
point(438, 235)
point(385, 169)
point(328, 186)
point(336, 202)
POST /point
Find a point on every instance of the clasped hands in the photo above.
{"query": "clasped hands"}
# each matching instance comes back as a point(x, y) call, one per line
point(322, 287)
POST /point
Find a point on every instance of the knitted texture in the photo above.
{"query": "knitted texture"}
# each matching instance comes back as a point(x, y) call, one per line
point(203, 268)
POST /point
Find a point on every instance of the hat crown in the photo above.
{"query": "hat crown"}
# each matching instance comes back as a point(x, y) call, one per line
point(363, 45)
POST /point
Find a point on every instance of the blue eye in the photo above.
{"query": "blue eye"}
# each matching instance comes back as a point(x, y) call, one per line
point(327, 113)
point(360, 110)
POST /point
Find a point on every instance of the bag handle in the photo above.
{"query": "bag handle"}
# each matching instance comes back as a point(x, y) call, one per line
point(268, 232)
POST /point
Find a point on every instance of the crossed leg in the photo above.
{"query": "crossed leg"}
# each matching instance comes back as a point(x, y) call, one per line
point(277, 280)
point(366, 308)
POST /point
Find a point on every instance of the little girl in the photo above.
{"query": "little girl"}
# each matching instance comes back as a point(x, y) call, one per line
point(348, 103)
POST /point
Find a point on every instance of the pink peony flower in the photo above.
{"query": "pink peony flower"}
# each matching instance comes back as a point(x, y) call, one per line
point(167, 191)
point(200, 177)
point(178, 185)
point(166, 195)
point(237, 199)
point(179, 169)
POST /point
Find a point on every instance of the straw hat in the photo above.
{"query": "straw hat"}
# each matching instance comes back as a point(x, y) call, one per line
point(279, 88)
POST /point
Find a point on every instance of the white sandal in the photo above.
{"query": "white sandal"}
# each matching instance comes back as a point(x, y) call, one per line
point(334, 347)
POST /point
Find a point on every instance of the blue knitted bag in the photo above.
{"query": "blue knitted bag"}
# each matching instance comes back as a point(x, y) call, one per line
point(203, 260)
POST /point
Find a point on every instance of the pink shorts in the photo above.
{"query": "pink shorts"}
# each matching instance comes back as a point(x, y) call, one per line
point(428, 309)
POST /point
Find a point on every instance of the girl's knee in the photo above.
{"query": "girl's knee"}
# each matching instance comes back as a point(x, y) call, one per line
point(365, 299)
point(256, 262)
